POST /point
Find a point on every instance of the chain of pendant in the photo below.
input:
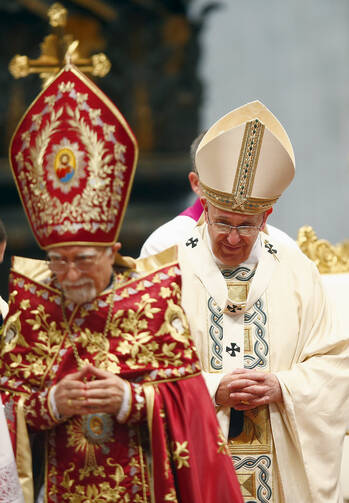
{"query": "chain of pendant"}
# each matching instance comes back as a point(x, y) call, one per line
point(79, 361)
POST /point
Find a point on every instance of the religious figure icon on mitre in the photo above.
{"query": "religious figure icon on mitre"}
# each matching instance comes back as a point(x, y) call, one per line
point(65, 164)
point(73, 157)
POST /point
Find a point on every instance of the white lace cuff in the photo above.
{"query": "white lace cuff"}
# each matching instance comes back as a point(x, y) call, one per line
point(124, 410)
point(53, 405)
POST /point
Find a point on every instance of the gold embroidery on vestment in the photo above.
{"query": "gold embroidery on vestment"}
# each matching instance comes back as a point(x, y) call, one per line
point(247, 483)
point(247, 339)
point(180, 454)
point(255, 436)
point(237, 292)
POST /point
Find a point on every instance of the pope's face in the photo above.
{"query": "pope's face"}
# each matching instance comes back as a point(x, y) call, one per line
point(231, 248)
point(82, 271)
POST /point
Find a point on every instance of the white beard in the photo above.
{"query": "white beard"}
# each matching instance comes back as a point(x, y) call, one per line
point(86, 293)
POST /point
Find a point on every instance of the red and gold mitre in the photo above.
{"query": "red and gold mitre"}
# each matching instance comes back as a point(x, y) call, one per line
point(73, 157)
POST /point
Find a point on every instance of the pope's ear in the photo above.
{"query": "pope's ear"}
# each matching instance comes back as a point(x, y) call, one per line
point(194, 182)
point(265, 217)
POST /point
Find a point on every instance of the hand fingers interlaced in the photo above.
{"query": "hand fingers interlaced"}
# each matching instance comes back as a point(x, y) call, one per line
point(103, 393)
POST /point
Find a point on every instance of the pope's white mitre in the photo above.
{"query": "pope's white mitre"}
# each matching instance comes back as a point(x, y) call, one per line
point(245, 160)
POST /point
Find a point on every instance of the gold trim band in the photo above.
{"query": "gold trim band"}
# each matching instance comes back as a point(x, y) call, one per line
point(23, 455)
point(229, 202)
point(149, 393)
point(248, 160)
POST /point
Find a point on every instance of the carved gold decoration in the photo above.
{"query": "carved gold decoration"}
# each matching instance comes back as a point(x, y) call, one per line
point(57, 15)
point(329, 259)
point(57, 49)
point(19, 66)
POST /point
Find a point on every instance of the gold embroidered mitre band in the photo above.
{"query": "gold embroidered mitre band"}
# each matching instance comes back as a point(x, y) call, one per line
point(73, 157)
point(245, 160)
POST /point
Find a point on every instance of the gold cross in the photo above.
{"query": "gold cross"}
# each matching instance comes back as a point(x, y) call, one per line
point(57, 49)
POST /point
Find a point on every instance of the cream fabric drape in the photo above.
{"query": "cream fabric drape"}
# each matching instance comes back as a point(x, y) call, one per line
point(308, 353)
point(10, 490)
point(337, 289)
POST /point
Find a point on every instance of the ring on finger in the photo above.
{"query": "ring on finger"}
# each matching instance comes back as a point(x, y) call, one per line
point(69, 402)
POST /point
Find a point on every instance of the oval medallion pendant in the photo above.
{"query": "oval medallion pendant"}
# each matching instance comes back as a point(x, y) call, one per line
point(98, 429)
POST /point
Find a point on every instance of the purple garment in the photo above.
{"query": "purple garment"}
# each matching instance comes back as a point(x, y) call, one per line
point(193, 211)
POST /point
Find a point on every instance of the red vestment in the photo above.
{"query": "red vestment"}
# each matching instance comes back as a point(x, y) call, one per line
point(171, 419)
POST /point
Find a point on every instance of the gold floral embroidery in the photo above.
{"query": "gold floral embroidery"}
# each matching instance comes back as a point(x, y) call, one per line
point(67, 482)
point(171, 496)
point(12, 296)
point(66, 87)
point(100, 347)
point(24, 304)
point(102, 492)
point(181, 454)
point(12, 334)
point(175, 324)
point(43, 351)
point(95, 203)
point(176, 290)
point(165, 292)
point(29, 409)
point(222, 444)
point(188, 353)
point(132, 327)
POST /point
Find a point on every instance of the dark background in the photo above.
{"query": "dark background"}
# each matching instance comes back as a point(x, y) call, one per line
point(154, 49)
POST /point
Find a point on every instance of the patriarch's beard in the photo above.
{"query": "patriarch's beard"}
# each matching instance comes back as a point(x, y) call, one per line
point(81, 291)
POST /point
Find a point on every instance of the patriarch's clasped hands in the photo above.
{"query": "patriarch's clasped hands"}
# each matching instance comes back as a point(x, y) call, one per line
point(90, 390)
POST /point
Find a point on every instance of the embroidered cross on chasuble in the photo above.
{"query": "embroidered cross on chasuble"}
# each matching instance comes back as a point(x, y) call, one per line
point(250, 442)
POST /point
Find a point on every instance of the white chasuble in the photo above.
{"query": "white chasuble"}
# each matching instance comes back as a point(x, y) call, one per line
point(272, 316)
point(237, 337)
